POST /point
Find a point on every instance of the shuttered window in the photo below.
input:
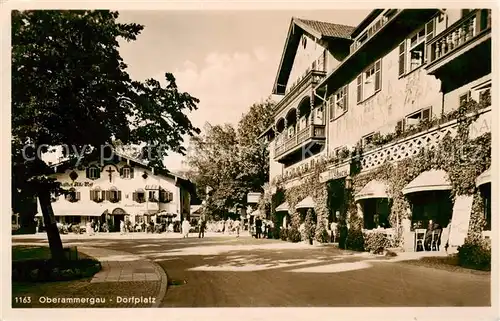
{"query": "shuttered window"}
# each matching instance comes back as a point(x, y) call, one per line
point(359, 82)
point(378, 76)
point(402, 58)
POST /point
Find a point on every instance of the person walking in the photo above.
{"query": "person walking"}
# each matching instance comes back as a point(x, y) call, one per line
point(201, 225)
point(258, 228)
point(237, 227)
point(333, 231)
point(122, 227)
point(185, 228)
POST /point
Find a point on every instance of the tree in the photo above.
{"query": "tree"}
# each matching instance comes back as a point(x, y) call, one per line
point(70, 87)
point(232, 162)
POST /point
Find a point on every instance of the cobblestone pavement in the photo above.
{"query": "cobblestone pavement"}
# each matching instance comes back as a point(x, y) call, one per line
point(226, 271)
point(125, 281)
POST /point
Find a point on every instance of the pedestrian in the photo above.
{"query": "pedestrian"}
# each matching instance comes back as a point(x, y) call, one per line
point(333, 231)
point(202, 225)
point(258, 228)
point(122, 227)
point(185, 228)
point(88, 227)
point(237, 227)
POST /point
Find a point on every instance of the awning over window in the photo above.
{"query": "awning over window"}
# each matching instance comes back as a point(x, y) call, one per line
point(283, 207)
point(484, 178)
point(373, 189)
point(433, 180)
point(64, 208)
point(307, 202)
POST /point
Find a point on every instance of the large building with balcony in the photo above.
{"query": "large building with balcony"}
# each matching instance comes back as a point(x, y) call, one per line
point(121, 188)
point(388, 89)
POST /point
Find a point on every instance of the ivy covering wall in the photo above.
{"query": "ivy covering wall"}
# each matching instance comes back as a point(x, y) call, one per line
point(462, 158)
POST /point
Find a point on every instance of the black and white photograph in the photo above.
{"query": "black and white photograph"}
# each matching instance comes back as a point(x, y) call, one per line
point(178, 159)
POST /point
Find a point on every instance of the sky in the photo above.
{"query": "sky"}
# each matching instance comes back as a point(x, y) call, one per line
point(227, 59)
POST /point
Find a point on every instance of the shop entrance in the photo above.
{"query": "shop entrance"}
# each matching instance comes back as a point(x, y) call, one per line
point(117, 216)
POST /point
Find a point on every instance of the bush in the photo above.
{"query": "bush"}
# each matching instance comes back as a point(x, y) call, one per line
point(376, 242)
point(355, 240)
point(321, 233)
point(283, 234)
point(293, 235)
point(309, 226)
point(48, 271)
point(475, 254)
point(276, 232)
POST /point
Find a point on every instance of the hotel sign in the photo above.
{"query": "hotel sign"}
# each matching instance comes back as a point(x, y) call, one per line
point(253, 197)
point(335, 173)
point(77, 184)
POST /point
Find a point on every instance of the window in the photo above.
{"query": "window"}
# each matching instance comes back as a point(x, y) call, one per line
point(152, 196)
point(369, 82)
point(481, 94)
point(93, 172)
point(412, 50)
point(127, 172)
point(367, 140)
point(338, 103)
point(166, 196)
point(96, 195)
point(113, 195)
point(465, 98)
point(419, 116)
point(486, 194)
point(139, 196)
point(73, 195)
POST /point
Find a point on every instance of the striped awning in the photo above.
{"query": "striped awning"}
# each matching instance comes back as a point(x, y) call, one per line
point(432, 180)
point(484, 178)
point(63, 207)
point(283, 207)
point(307, 202)
point(373, 189)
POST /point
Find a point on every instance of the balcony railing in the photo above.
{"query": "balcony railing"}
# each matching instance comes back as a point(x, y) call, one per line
point(311, 78)
point(458, 34)
point(304, 135)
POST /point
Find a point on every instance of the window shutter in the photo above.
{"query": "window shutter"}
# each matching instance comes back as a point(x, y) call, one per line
point(134, 196)
point(103, 195)
point(360, 88)
point(399, 126)
point(98, 170)
point(429, 30)
point(426, 114)
point(87, 172)
point(78, 196)
point(131, 172)
point(119, 195)
point(92, 195)
point(108, 195)
point(346, 100)
point(402, 58)
point(331, 106)
point(378, 75)
point(121, 172)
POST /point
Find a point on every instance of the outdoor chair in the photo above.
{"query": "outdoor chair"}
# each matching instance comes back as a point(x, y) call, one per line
point(420, 238)
point(435, 240)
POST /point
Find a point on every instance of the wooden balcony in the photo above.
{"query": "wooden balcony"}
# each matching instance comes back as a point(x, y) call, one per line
point(308, 135)
point(306, 82)
point(464, 46)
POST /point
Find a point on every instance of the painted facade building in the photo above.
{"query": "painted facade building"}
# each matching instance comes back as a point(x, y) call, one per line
point(398, 70)
point(122, 189)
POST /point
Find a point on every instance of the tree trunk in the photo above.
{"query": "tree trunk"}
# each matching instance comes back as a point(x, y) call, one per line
point(55, 243)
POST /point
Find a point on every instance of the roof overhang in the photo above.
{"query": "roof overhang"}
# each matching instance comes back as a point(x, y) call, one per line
point(295, 31)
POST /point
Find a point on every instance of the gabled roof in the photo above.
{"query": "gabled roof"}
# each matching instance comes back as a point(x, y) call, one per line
point(319, 30)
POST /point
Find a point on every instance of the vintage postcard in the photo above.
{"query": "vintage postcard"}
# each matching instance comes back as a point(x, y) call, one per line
point(314, 157)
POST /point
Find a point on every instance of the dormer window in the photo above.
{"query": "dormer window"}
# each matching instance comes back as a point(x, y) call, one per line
point(139, 196)
point(93, 172)
point(127, 172)
point(73, 195)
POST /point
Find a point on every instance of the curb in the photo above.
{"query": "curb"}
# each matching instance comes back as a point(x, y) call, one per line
point(163, 284)
point(159, 270)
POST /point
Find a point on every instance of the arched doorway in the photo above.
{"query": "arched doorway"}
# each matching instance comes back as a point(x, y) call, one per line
point(117, 215)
